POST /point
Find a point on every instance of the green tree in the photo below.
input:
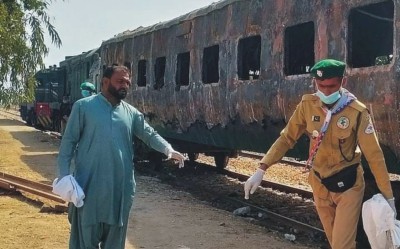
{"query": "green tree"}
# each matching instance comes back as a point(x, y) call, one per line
point(22, 47)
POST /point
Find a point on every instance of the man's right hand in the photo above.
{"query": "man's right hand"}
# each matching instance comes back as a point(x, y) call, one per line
point(253, 182)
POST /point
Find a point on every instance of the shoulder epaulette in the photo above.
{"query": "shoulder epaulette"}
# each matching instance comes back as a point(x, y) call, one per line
point(359, 106)
point(308, 97)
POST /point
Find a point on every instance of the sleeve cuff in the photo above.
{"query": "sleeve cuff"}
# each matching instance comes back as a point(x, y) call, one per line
point(168, 151)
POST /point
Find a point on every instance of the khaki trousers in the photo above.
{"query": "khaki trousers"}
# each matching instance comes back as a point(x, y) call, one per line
point(339, 212)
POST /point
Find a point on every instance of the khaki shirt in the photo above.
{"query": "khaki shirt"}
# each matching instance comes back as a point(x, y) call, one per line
point(309, 117)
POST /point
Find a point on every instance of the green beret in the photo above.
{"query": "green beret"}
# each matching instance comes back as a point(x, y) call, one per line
point(328, 68)
point(88, 86)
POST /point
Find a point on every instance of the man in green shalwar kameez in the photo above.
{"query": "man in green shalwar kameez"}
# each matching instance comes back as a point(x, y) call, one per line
point(100, 134)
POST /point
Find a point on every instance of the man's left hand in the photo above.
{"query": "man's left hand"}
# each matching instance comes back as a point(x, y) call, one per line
point(177, 156)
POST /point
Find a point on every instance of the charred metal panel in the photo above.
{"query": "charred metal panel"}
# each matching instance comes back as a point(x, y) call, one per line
point(248, 114)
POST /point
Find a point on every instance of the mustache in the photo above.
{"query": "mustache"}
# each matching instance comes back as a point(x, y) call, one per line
point(122, 93)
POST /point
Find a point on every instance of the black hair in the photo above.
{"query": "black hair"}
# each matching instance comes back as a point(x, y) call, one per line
point(109, 71)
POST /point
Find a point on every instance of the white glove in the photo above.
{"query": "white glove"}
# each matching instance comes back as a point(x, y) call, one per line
point(391, 204)
point(177, 156)
point(253, 182)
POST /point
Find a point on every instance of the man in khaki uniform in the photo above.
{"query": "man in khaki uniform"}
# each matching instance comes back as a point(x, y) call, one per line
point(336, 122)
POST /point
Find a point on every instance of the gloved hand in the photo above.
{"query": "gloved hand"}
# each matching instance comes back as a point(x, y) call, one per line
point(177, 156)
point(253, 182)
point(391, 204)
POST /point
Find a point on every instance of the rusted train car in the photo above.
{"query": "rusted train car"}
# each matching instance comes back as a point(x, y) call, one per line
point(228, 76)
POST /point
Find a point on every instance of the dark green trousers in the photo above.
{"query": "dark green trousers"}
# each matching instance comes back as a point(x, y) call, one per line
point(100, 235)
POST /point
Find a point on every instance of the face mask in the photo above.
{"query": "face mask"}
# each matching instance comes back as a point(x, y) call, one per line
point(328, 99)
point(331, 98)
point(85, 93)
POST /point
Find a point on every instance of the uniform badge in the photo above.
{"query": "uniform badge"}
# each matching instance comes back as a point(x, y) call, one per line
point(343, 122)
point(315, 118)
point(315, 134)
point(319, 73)
point(370, 128)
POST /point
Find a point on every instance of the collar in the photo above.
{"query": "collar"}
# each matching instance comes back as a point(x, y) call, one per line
point(103, 98)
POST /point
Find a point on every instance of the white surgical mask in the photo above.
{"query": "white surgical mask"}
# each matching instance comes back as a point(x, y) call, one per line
point(85, 93)
point(330, 99)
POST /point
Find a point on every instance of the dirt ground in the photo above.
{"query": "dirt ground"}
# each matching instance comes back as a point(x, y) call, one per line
point(162, 217)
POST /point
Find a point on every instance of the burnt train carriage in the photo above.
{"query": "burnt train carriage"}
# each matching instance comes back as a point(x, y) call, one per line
point(228, 76)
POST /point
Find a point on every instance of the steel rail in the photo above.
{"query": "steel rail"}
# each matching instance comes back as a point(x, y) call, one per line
point(270, 184)
point(264, 183)
point(260, 156)
point(14, 183)
point(278, 217)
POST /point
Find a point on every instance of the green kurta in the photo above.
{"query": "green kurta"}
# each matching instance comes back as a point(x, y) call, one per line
point(100, 136)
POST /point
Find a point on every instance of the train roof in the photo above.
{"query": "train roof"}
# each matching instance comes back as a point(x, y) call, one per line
point(167, 24)
point(83, 55)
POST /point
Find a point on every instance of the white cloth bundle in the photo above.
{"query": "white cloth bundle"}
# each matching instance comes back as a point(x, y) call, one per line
point(69, 190)
point(382, 229)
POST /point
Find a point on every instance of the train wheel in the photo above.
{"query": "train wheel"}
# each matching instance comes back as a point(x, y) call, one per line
point(193, 157)
point(221, 160)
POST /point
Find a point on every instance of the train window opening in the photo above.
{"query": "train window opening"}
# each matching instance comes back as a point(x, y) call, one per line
point(141, 78)
point(210, 67)
point(159, 72)
point(182, 69)
point(249, 52)
point(371, 35)
point(299, 49)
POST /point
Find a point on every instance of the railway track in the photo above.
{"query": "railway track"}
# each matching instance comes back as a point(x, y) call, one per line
point(14, 183)
point(274, 185)
point(259, 156)
point(230, 196)
point(270, 184)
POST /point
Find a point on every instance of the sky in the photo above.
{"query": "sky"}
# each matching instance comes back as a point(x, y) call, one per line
point(84, 24)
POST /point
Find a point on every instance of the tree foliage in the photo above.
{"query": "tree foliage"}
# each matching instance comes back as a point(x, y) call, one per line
point(22, 47)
